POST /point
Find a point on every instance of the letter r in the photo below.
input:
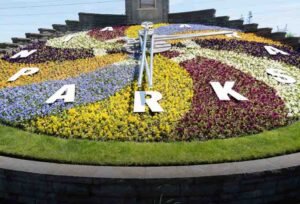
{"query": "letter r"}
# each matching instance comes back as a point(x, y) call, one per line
point(140, 101)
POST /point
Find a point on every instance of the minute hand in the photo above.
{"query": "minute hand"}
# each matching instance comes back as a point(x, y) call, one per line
point(183, 36)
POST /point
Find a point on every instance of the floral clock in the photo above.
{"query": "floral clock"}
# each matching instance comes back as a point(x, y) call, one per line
point(213, 87)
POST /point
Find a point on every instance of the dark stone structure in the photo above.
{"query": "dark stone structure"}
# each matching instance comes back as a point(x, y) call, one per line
point(138, 11)
point(153, 10)
point(90, 20)
point(274, 180)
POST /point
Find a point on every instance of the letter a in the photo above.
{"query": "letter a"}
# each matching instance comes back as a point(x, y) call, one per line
point(23, 72)
point(224, 92)
point(23, 54)
point(66, 93)
point(274, 51)
point(140, 101)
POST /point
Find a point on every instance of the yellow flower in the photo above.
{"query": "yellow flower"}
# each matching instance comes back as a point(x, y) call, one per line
point(55, 70)
point(115, 116)
point(250, 37)
point(133, 31)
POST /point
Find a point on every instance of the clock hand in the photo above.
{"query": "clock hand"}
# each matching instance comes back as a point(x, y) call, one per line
point(184, 36)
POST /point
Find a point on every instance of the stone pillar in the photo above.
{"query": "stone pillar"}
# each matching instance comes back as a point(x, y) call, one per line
point(138, 11)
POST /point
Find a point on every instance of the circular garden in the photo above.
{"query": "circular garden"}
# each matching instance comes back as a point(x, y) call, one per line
point(100, 127)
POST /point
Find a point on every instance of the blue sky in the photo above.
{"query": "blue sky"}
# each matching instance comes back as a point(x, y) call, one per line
point(14, 22)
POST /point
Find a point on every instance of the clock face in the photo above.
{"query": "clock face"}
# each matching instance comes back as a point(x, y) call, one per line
point(85, 85)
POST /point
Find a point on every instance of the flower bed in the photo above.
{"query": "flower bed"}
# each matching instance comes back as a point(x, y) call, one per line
point(133, 31)
point(46, 54)
point(25, 102)
point(99, 34)
point(55, 70)
point(113, 118)
point(248, 37)
point(179, 28)
point(83, 40)
point(254, 66)
point(211, 118)
point(105, 83)
point(252, 48)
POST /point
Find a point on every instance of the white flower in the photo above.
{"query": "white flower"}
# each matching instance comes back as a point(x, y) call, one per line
point(256, 67)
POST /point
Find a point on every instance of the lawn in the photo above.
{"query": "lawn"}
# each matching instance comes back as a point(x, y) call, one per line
point(20, 144)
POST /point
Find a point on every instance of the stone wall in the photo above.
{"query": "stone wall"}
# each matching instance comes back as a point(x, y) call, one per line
point(201, 17)
point(88, 20)
point(54, 183)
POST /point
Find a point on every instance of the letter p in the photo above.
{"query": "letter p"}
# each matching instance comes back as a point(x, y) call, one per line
point(24, 72)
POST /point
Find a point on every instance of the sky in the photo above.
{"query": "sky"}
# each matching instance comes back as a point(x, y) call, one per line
point(20, 16)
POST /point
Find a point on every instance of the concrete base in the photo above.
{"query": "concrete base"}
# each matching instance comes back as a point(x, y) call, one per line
point(274, 180)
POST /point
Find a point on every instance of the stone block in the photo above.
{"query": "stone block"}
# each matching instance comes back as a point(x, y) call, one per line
point(21, 41)
point(46, 31)
point(192, 17)
point(250, 28)
point(90, 20)
point(37, 36)
point(73, 25)
point(113, 191)
point(60, 27)
point(8, 45)
point(237, 24)
point(222, 21)
point(265, 32)
point(278, 36)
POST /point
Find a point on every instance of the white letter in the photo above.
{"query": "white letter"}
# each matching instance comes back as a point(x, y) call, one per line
point(185, 26)
point(23, 72)
point(23, 54)
point(140, 101)
point(66, 93)
point(108, 29)
point(274, 51)
point(233, 35)
point(280, 76)
point(223, 92)
point(68, 37)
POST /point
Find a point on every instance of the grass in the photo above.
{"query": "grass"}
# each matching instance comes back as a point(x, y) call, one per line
point(17, 143)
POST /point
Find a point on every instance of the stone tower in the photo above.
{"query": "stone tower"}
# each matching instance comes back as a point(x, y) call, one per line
point(138, 11)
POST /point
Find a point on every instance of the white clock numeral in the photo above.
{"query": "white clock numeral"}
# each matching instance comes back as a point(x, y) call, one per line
point(274, 51)
point(185, 26)
point(233, 35)
point(281, 76)
point(23, 54)
point(108, 29)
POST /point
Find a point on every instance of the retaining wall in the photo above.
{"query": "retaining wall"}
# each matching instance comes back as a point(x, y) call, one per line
point(88, 20)
point(275, 180)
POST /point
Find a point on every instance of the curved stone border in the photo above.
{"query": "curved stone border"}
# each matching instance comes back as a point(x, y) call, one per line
point(259, 181)
point(165, 172)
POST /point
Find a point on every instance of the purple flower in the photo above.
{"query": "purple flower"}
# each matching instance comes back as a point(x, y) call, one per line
point(177, 28)
point(26, 102)
point(45, 54)
point(210, 117)
point(251, 48)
